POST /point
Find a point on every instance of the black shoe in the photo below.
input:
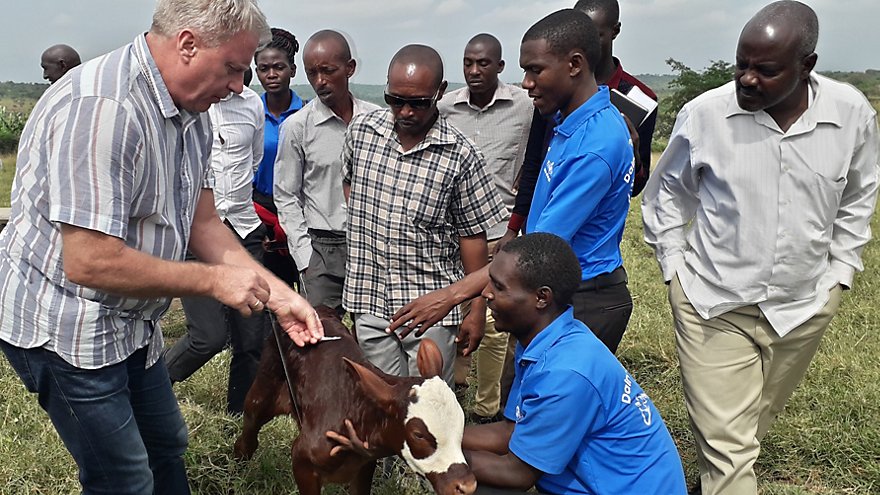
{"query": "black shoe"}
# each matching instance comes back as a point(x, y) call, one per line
point(484, 420)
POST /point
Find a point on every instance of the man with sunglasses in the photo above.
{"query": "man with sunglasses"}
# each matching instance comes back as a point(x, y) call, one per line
point(419, 205)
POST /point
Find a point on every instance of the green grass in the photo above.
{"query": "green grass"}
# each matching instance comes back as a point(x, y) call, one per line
point(826, 442)
point(7, 173)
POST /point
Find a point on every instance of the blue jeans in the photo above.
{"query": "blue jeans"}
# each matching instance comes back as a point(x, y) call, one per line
point(121, 423)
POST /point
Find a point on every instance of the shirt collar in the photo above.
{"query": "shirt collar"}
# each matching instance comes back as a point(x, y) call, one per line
point(820, 110)
point(323, 113)
point(440, 133)
point(548, 336)
point(617, 75)
point(502, 92)
point(296, 103)
point(154, 78)
point(576, 119)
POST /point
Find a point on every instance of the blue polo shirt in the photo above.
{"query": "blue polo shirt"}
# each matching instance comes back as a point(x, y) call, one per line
point(584, 422)
point(265, 173)
point(583, 190)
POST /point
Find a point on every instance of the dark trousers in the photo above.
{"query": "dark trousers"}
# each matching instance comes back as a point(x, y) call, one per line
point(323, 281)
point(209, 326)
point(277, 260)
point(121, 423)
point(603, 303)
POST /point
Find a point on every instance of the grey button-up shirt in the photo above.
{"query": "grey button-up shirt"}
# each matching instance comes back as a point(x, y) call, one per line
point(308, 175)
point(500, 130)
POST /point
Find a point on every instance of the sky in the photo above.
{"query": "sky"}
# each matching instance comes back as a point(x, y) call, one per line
point(694, 32)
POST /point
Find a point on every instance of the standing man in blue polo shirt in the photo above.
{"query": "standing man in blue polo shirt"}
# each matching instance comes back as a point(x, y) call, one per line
point(584, 186)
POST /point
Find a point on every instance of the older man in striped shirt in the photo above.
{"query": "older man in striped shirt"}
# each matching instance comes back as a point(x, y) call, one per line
point(112, 187)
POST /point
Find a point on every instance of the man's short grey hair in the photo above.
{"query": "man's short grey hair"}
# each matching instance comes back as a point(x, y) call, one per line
point(214, 20)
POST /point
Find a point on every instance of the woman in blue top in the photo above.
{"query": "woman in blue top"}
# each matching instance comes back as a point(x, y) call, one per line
point(275, 67)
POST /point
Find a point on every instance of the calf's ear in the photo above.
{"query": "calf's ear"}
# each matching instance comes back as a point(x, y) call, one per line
point(429, 360)
point(377, 389)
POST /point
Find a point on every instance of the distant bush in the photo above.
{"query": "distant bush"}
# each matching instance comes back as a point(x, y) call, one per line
point(687, 85)
point(11, 125)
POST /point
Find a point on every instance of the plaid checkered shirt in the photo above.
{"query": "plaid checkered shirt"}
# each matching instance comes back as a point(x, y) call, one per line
point(407, 210)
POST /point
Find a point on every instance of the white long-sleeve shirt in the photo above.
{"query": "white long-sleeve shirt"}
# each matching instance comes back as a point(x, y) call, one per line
point(237, 124)
point(746, 214)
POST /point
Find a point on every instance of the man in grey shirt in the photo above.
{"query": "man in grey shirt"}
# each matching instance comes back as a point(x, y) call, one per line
point(308, 170)
point(112, 185)
point(497, 118)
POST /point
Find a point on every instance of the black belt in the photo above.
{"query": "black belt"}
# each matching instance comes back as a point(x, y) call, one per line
point(615, 277)
point(327, 234)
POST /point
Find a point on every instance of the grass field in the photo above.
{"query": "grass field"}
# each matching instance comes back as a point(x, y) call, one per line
point(826, 442)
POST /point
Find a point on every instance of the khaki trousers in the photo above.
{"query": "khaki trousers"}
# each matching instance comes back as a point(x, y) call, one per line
point(737, 375)
point(490, 363)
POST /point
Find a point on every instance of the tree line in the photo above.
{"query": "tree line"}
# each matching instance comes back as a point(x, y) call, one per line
point(17, 99)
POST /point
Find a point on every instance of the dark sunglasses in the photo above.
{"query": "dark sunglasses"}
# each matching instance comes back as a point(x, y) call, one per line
point(414, 103)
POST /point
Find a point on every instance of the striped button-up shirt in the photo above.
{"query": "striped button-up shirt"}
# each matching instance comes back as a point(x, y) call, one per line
point(107, 150)
point(747, 214)
point(407, 210)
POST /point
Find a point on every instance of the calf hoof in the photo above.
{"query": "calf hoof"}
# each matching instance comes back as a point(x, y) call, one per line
point(244, 449)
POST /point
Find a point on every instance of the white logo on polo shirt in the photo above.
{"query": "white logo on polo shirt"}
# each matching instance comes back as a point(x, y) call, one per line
point(548, 170)
point(642, 402)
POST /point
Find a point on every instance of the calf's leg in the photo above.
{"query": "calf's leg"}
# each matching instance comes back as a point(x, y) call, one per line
point(266, 399)
point(363, 481)
point(308, 481)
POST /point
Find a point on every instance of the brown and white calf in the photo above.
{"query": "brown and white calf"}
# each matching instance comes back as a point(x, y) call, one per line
point(418, 419)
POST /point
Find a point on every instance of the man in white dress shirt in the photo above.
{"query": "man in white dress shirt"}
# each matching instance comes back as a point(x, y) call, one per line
point(758, 213)
point(308, 170)
point(237, 124)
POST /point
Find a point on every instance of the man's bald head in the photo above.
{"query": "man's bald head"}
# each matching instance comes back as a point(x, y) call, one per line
point(489, 43)
point(774, 58)
point(783, 21)
point(610, 8)
point(330, 38)
point(414, 58)
point(57, 60)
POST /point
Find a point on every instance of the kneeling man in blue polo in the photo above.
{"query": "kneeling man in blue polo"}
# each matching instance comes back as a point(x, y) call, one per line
point(576, 420)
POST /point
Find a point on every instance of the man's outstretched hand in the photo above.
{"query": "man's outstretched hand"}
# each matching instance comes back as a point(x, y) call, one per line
point(422, 313)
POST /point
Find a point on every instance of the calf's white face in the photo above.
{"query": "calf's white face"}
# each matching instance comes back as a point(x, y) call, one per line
point(434, 426)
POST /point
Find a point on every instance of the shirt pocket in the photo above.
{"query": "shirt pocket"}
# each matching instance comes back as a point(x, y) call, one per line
point(825, 193)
